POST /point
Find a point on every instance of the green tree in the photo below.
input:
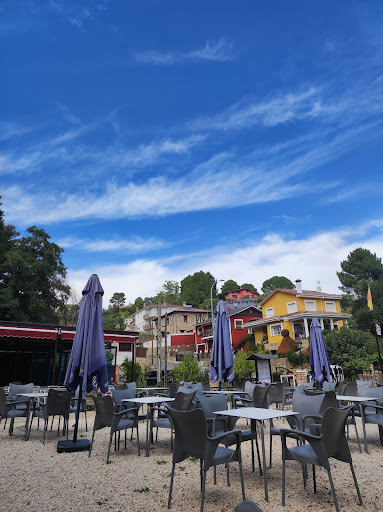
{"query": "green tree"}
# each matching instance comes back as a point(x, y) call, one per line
point(169, 294)
point(242, 367)
point(118, 300)
point(126, 367)
point(352, 349)
point(139, 303)
point(187, 371)
point(32, 276)
point(228, 286)
point(249, 287)
point(195, 289)
point(276, 282)
point(361, 268)
point(112, 319)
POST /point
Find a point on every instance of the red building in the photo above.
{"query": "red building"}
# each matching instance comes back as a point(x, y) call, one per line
point(238, 317)
point(241, 293)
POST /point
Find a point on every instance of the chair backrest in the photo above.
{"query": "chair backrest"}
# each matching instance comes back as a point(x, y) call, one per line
point(341, 387)
point(260, 394)
point(183, 401)
point(371, 392)
point(306, 404)
point(329, 400)
point(17, 389)
point(3, 399)
point(187, 389)
point(191, 434)
point(362, 383)
point(299, 389)
point(121, 394)
point(249, 388)
point(209, 404)
point(206, 386)
point(351, 389)
point(275, 394)
point(58, 402)
point(104, 411)
point(329, 386)
point(121, 386)
point(173, 389)
point(308, 385)
point(333, 433)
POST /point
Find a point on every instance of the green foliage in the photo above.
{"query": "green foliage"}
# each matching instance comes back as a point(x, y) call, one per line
point(286, 345)
point(295, 357)
point(113, 319)
point(360, 269)
point(242, 367)
point(195, 289)
point(285, 333)
point(229, 286)
point(169, 294)
point(118, 299)
point(109, 356)
point(139, 303)
point(276, 376)
point(249, 286)
point(32, 276)
point(352, 348)
point(126, 367)
point(276, 282)
point(188, 370)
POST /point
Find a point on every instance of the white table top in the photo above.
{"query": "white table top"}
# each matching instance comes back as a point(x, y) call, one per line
point(348, 398)
point(149, 399)
point(33, 395)
point(256, 413)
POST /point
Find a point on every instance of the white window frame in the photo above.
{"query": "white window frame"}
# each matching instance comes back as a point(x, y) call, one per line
point(309, 302)
point(238, 320)
point(275, 325)
point(332, 304)
point(291, 304)
point(267, 310)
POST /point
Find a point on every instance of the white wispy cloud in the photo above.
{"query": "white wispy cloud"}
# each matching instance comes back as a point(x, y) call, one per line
point(312, 258)
point(135, 244)
point(219, 51)
point(225, 180)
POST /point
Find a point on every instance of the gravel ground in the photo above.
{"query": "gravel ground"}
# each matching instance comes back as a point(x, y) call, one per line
point(35, 478)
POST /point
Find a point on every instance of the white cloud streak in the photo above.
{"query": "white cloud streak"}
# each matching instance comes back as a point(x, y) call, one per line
point(219, 51)
point(133, 245)
point(314, 258)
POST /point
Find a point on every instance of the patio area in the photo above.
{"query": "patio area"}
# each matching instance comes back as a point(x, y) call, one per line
point(37, 478)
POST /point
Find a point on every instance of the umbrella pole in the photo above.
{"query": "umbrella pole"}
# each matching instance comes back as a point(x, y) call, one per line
point(77, 415)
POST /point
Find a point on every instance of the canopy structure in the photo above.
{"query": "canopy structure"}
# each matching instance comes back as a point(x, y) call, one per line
point(319, 360)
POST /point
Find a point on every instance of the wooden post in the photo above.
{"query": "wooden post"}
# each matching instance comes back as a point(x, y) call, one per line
point(159, 342)
point(152, 343)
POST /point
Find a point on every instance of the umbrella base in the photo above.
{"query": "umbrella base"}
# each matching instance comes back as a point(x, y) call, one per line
point(73, 446)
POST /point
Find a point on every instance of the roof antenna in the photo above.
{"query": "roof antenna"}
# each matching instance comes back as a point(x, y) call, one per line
point(319, 286)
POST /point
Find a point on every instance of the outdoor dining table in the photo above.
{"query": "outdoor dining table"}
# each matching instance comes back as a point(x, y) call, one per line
point(31, 403)
point(149, 401)
point(258, 414)
point(148, 390)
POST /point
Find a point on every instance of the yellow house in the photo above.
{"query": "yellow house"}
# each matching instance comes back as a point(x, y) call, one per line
point(294, 310)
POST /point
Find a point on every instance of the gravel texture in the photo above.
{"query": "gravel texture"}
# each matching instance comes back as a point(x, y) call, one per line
point(35, 478)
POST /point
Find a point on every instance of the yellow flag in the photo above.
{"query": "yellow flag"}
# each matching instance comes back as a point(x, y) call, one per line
point(369, 299)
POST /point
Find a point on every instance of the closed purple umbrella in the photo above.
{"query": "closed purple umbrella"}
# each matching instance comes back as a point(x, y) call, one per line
point(319, 360)
point(221, 362)
point(87, 366)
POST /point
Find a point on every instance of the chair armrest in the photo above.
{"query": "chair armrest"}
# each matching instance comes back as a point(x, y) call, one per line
point(220, 437)
point(291, 432)
point(316, 417)
point(120, 414)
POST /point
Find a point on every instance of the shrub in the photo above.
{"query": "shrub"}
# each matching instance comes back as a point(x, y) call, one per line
point(287, 344)
point(285, 333)
point(293, 357)
point(126, 367)
point(242, 367)
point(187, 371)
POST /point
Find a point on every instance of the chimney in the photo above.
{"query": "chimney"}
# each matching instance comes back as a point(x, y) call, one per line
point(298, 285)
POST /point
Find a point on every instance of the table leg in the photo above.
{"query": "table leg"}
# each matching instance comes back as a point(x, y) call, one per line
point(148, 411)
point(264, 461)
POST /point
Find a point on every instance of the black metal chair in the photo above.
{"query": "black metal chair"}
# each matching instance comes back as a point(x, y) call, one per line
point(74, 403)
point(183, 402)
point(218, 424)
point(107, 416)
point(12, 409)
point(57, 404)
point(192, 440)
point(372, 411)
point(317, 450)
point(248, 506)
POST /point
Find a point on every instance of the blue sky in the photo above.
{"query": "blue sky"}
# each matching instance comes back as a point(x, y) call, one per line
point(155, 139)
